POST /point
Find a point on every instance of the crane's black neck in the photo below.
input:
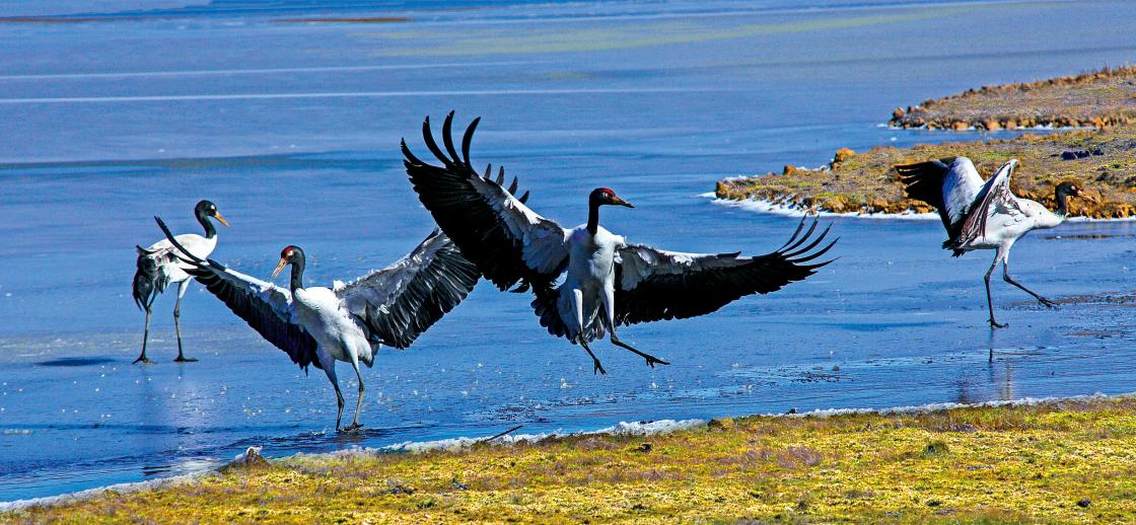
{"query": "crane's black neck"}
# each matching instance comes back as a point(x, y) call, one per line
point(298, 262)
point(593, 215)
point(210, 230)
point(1062, 207)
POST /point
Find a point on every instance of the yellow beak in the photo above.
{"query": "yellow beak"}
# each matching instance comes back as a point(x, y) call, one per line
point(279, 267)
point(220, 218)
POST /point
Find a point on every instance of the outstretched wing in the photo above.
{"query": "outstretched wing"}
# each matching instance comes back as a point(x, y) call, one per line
point(396, 304)
point(653, 284)
point(505, 239)
point(995, 195)
point(268, 309)
point(950, 185)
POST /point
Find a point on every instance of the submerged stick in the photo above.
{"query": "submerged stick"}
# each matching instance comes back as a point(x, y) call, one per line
point(502, 434)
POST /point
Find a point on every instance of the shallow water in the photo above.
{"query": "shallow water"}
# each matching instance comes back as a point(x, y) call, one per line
point(292, 129)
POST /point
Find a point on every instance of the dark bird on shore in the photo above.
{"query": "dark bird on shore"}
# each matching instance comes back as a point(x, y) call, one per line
point(982, 215)
point(318, 326)
point(158, 268)
point(607, 281)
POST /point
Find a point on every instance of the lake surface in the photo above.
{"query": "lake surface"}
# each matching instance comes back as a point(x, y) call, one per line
point(292, 127)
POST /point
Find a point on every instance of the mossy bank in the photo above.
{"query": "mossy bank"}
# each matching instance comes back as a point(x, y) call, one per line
point(1061, 462)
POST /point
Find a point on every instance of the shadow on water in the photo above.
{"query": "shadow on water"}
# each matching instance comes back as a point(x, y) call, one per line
point(76, 361)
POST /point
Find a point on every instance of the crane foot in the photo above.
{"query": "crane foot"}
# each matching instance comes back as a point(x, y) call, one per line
point(183, 359)
point(651, 360)
point(1047, 302)
point(143, 359)
point(996, 324)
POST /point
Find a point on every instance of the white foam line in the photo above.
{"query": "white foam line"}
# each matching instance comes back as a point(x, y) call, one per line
point(348, 94)
point(938, 407)
point(787, 209)
point(256, 71)
point(791, 210)
point(623, 428)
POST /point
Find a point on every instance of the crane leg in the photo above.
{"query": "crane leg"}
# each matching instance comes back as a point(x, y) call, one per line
point(609, 320)
point(145, 337)
point(651, 360)
point(339, 409)
point(358, 403)
point(989, 301)
point(1006, 277)
point(597, 368)
point(330, 369)
point(181, 358)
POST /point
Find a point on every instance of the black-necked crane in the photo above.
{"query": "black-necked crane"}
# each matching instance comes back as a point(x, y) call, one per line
point(983, 215)
point(318, 326)
point(158, 268)
point(607, 281)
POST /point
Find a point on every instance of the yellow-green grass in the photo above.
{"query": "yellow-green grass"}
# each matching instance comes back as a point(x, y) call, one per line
point(1102, 98)
point(866, 182)
point(1060, 462)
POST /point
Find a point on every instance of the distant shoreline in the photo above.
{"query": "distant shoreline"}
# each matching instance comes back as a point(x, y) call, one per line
point(1097, 99)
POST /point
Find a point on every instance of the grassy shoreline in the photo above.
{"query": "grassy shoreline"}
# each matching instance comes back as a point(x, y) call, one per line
point(1063, 461)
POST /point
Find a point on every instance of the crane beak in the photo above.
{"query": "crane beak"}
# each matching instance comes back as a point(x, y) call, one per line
point(221, 219)
point(622, 202)
point(279, 267)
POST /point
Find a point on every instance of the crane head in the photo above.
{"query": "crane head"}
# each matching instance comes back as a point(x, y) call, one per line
point(206, 208)
point(602, 196)
point(288, 255)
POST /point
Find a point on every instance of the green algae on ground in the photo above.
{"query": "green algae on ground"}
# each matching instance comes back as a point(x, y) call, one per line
point(1061, 462)
point(1102, 98)
point(1103, 162)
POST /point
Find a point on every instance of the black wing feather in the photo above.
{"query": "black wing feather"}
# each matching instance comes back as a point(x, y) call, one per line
point(400, 302)
point(720, 279)
point(924, 181)
point(463, 213)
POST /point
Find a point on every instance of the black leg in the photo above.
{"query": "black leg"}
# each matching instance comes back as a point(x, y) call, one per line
point(181, 358)
point(328, 365)
point(145, 337)
point(339, 410)
point(1006, 277)
point(989, 301)
point(651, 360)
point(597, 367)
point(358, 403)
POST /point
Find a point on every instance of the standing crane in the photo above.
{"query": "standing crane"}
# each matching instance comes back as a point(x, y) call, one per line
point(158, 267)
point(318, 326)
point(983, 215)
point(607, 281)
